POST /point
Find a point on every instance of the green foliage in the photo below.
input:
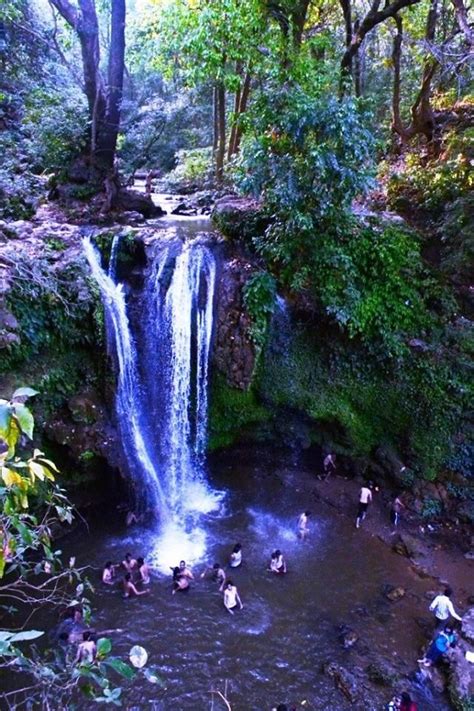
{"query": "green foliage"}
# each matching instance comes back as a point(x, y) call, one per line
point(259, 299)
point(432, 508)
point(192, 172)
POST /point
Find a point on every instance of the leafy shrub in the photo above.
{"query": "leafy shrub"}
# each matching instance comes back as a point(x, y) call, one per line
point(259, 300)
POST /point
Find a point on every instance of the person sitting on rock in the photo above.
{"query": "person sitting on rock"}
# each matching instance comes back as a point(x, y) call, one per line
point(437, 649)
point(185, 571)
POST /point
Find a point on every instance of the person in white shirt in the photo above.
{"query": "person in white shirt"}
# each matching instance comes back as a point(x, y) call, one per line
point(365, 497)
point(443, 608)
point(236, 556)
point(231, 597)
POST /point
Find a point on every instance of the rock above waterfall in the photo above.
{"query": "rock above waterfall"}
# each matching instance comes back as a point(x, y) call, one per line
point(239, 218)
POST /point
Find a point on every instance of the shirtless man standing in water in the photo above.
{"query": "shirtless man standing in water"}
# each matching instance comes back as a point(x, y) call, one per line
point(231, 597)
point(303, 529)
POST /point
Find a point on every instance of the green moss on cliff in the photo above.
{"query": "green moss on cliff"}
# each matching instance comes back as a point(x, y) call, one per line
point(233, 413)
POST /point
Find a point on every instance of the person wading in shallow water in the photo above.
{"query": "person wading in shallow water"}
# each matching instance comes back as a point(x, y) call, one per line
point(129, 588)
point(277, 563)
point(217, 574)
point(129, 563)
point(303, 529)
point(365, 497)
point(231, 597)
point(236, 556)
point(180, 581)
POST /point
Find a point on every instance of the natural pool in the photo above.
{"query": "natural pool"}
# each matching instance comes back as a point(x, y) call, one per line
point(273, 650)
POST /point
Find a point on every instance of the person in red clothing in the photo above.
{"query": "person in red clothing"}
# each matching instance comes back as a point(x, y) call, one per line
point(406, 703)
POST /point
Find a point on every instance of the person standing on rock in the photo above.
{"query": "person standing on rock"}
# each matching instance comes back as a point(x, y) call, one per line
point(365, 498)
point(443, 608)
point(329, 465)
point(439, 647)
point(395, 510)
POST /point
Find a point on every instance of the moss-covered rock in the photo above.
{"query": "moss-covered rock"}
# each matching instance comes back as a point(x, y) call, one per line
point(239, 218)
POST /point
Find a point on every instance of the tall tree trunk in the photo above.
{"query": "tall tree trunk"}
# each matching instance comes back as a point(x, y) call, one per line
point(235, 117)
point(220, 152)
point(107, 142)
point(242, 109)
point(215, 119)
point(357, 65)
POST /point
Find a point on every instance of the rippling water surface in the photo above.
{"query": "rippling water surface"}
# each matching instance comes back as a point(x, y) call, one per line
point(273, 650)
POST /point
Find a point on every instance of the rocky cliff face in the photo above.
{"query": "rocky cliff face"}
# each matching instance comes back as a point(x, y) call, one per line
point(234, 352)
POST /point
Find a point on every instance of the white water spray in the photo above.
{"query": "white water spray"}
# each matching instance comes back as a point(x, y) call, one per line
point(162, 398)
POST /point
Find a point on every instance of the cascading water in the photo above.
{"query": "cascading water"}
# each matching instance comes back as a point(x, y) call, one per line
point(162, 388)
point(127, 403)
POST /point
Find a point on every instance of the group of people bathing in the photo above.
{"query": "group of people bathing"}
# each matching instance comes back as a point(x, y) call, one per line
point(137, 576)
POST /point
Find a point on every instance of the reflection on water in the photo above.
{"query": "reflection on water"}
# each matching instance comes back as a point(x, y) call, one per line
point(272, 650)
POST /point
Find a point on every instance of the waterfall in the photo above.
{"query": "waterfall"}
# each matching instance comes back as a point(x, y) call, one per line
point(163, 372)
point(113, 256)
point(128, 393)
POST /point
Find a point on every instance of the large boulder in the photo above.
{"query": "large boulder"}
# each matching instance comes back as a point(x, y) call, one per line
point(344, 680)
point(467, 627)
point(409, 546)
point(461, 679)
point(133, 201)
point(239, 218)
